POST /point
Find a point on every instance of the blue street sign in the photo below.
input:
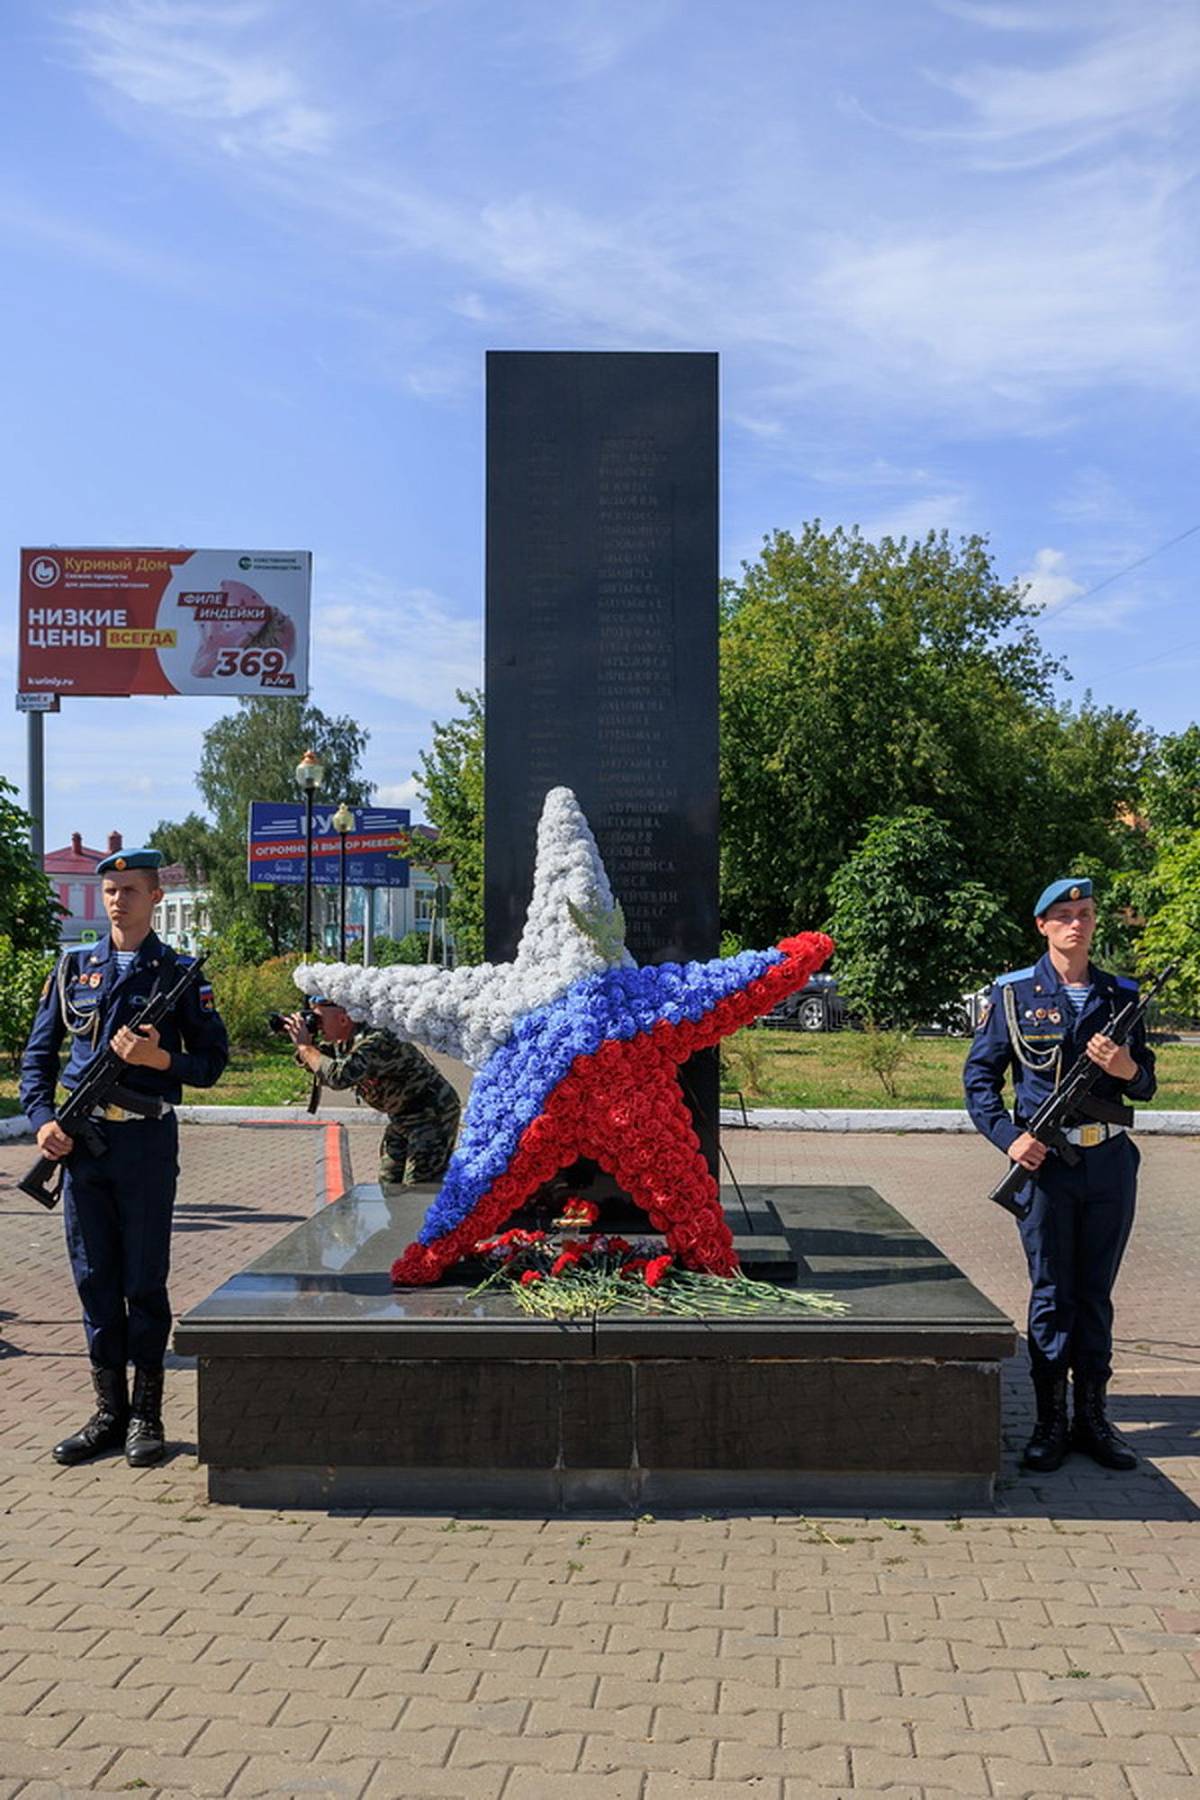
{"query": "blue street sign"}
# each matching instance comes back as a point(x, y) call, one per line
point(275, 852)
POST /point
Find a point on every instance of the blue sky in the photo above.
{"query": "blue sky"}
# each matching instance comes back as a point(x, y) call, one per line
point(255, 251)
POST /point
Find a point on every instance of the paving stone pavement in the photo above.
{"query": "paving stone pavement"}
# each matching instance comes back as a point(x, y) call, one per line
point(152, 1643)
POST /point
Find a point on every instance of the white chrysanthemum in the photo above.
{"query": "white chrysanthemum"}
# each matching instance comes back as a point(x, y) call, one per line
point(572, 930)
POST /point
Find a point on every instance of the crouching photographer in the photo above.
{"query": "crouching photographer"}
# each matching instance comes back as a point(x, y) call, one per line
point(393, 1077)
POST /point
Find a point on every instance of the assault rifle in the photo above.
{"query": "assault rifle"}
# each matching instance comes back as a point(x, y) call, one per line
point(1072, 1103)
point(100, 1085)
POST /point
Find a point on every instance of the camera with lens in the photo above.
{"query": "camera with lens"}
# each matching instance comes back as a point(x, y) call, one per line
point(276, 1024)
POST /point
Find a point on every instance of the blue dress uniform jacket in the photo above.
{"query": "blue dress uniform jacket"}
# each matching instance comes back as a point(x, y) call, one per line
point(1079, 1219)
point(94, 988)
point(117, 1207)
point(1047, 1022)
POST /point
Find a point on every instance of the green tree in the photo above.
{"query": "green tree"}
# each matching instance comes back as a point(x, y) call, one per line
point(1152, 885)
point(1170, 794)
point(913, 930)
point(29, 912)
point(1172, 928)
point(1161, 885)
point(451, 779)
point(858, 679)
point(22, 973)
point(251, 754)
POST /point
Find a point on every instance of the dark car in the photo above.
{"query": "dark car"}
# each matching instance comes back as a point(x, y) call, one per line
point(816, 1007)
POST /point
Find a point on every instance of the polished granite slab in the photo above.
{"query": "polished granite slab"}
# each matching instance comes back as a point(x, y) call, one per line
point(325, 1286)
point(321, 1385)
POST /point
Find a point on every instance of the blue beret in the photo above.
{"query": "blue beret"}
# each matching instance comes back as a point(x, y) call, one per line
point(1074, 887)
point(130, 859)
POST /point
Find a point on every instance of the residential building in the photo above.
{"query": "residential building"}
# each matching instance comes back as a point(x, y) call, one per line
point(72, 874)
point(181, 916)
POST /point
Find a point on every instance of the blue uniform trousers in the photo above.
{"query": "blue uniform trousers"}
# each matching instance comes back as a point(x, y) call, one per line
point(117, 1212)
point(1074, 1236)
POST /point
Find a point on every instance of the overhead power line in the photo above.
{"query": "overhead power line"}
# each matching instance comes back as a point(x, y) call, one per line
point(1077, 599)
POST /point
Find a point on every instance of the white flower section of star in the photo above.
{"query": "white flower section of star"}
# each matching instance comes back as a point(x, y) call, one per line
point(469, 1013)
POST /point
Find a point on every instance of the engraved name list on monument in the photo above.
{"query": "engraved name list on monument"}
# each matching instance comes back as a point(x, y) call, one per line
point(601, 632)
point(635, 683)
point(550, 630)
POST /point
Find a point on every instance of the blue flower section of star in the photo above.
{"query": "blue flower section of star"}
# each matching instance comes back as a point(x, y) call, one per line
point(513, 1087)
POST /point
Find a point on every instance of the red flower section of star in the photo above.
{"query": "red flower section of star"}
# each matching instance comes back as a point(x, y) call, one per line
point(622, 1108)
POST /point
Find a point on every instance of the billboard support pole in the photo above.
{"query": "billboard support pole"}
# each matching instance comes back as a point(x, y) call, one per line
point(368, 894)
point(308, 871)
point(36, 787)
point(342, 899)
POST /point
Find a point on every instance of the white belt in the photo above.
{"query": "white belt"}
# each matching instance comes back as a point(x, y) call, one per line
point(1088, 1136)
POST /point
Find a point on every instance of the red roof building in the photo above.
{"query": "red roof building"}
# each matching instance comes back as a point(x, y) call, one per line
point(72, 873)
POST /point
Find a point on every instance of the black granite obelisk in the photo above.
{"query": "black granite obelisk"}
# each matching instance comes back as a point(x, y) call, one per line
point(602, 641)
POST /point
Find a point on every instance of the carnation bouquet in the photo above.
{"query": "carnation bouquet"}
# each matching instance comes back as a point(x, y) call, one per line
point(574, 1271)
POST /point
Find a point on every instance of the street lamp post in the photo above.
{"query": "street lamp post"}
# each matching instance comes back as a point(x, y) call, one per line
point(310, 772)
point(342, 822)
point(443, 871)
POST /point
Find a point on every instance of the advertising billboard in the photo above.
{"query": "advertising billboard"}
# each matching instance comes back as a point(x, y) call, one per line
point(275, 851)
point(215, 622)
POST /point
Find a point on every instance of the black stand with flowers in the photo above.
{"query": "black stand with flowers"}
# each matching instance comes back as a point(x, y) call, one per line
point(319, 1384)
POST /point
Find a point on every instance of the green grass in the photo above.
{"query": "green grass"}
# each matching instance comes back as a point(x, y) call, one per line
point(252, 1078)
point(794, 1070)
point(828, 1071)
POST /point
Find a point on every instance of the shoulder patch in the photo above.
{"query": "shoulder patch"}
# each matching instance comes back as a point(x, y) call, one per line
point(1014, 975)
point(1128, 983)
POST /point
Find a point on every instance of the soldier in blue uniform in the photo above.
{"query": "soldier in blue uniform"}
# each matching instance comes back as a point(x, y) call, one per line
point(117, 1206)
point(1037, 1022)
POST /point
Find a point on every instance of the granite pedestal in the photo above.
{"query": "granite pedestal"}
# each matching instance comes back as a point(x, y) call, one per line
point(320, 1385)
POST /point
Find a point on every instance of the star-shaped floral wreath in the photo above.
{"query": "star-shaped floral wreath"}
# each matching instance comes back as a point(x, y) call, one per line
point(577, 1051)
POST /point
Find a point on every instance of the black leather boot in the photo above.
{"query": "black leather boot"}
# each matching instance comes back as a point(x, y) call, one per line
point(1047, 1448)
point(1092, 1432)
point(105, 1430)
point(145, 1443)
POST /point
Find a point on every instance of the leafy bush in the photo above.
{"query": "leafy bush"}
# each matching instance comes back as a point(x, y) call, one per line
point(884, 1053)
point(745, 1064)
point(22, 973)
point(29, 911)
point(241, 942)
point(247, 992)
point(411, 948)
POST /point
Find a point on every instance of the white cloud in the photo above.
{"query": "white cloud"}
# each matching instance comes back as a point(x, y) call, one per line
point(1009, 18)
point(585, 37)
point(199, 64)
point(1127, 76)
point(25, 219)
point(1028, 306)
point(406, 644)
point(935, 293)
point(917, 517)
point(1091, 497)
point(1052, 589)
point(398, 793)
point(1047, 583)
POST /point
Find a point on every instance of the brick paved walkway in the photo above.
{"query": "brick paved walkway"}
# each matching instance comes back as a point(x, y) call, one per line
point(152, 1643)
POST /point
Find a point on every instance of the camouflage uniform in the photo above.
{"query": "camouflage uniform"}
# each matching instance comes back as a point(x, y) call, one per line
point(421, 1106)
